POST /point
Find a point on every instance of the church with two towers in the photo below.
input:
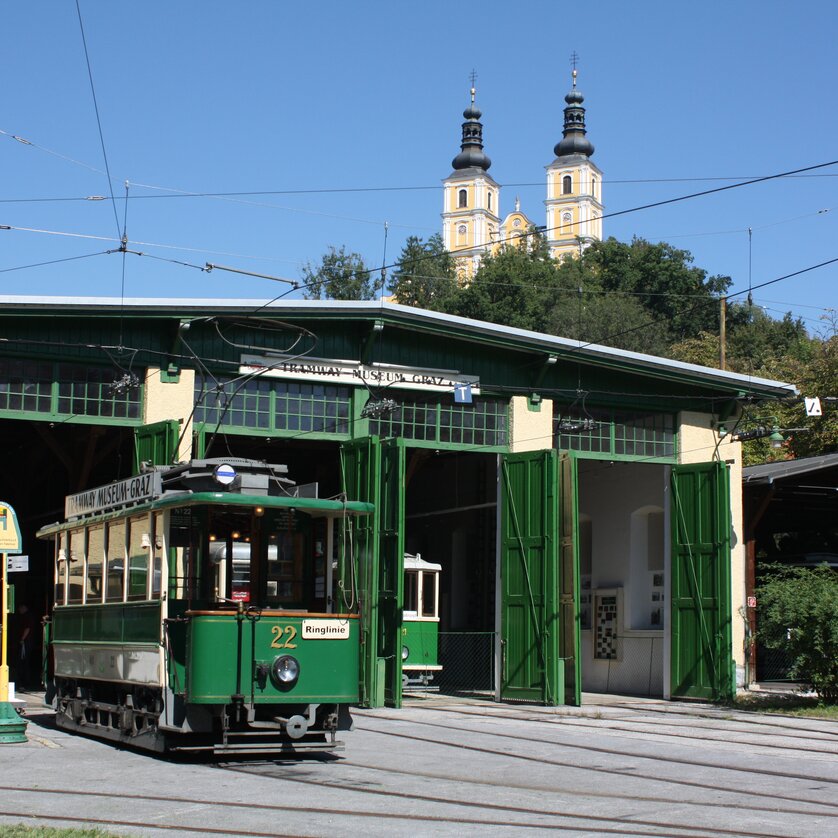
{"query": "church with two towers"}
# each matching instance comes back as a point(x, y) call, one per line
point(471, 218)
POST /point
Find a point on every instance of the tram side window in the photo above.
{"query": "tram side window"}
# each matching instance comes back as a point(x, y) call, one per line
point(138, 548)
point(61, 569)
point(157, 571)
point(411, 591)
point(116, 561)
point(75, 566)
point(95, 563)
point(429, 594)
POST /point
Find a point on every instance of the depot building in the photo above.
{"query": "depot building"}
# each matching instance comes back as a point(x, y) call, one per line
point(583, 503)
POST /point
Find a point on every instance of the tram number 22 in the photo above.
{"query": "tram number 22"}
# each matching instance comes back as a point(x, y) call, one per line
point(283, 638)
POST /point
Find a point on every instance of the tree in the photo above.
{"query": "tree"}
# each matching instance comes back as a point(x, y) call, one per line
point(664, 281)
point(339, 276)
point(612, 319)
point(798, 614)
point(425, 276)
point(516, 286)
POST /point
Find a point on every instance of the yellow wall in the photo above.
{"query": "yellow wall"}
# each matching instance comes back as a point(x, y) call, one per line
point(454, 196)
point(530, 430)
point(165, 401)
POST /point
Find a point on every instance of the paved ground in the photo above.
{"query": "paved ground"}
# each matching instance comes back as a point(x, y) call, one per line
point(453, 768)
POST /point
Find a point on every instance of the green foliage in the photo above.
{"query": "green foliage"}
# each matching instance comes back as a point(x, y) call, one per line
point(21, 831)
point(798, 614)
point(596, 316)
point(665, 281)
point(425, 276)
point(339, 276)
point(758, 343)
point(516, 286)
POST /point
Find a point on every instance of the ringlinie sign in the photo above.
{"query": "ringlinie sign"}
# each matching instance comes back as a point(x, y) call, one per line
point(140, 489)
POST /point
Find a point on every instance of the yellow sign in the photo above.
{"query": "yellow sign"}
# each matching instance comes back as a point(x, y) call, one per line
point(9, 530)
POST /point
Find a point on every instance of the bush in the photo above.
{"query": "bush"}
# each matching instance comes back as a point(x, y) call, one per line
point(798, 614)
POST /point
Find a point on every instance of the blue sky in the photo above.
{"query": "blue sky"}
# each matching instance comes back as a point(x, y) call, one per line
point(277, 96)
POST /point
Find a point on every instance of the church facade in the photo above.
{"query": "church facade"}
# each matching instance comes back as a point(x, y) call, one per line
point(472, 224)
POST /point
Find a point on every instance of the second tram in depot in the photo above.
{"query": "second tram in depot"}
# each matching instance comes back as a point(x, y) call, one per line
point(206, 606)
point(420, 622)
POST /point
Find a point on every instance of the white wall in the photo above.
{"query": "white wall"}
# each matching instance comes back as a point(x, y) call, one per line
point(610, 494)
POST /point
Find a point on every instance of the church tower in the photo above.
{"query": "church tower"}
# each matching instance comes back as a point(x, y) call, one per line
point(574, 185)
point(470, 214)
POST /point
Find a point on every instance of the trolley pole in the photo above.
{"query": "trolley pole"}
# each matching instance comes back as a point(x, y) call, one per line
point(12, 726)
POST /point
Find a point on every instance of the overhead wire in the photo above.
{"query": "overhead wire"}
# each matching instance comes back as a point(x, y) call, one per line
point(54, 261)
point(98, 119)
point(510, 239)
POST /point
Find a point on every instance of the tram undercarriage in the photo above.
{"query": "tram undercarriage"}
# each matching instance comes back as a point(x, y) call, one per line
point(138, 719)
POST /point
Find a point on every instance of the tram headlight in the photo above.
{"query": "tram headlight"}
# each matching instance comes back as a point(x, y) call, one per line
point(285, 671)
point(405, 653)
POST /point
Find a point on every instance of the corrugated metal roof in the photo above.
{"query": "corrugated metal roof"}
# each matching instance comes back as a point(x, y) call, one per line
point(768, 472)
point(419, 317)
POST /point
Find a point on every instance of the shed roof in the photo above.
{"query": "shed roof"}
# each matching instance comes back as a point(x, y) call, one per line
point(783, 469)
point(413, 318)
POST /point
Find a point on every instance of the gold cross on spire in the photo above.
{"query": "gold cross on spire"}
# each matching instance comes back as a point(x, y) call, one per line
point(574, 60)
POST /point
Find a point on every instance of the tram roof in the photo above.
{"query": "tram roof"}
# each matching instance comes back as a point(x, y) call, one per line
point(317, 507)
point(433, 322)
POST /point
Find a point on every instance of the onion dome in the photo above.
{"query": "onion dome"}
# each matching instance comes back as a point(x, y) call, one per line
point(573, 139)
point(472, 155)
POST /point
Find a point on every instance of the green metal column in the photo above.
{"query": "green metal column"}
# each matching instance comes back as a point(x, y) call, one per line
point(361, 480)
point(391, 567)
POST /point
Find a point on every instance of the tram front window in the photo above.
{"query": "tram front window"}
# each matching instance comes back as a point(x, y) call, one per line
point(262, 557)
point(231, 548)
point(286, 569)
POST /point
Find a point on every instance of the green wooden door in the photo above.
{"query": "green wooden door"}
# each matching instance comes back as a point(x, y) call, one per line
point(156, 444)
point(569, 581)
point(391, 567)
point(529, 550)
point(701, 664)
point(361, 479)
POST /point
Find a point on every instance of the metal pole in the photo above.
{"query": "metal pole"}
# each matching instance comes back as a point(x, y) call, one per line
point(722, 332)
point(4, 659)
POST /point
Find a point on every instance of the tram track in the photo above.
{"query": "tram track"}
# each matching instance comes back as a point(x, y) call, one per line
point(833, 807)
point(606, 725)
point(409, 817)
point(436, 798)
point(588, 748)
point(709, 716)
point(715, 716)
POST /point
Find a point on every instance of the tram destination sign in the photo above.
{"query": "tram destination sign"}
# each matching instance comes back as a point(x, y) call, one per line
point(354, 373)
point(144, 487)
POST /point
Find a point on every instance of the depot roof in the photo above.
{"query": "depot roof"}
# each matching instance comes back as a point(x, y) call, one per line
point(420, 320)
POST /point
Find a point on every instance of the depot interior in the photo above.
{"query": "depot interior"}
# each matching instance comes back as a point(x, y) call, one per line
point(450, 519)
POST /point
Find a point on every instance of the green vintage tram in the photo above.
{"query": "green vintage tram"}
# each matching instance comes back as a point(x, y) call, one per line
point(420, 622)
point(211, 605)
